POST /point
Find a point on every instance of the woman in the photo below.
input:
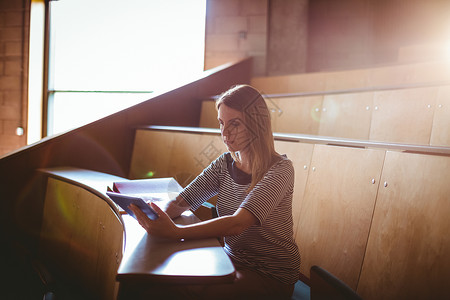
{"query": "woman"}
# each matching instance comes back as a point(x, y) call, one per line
point(254, 185)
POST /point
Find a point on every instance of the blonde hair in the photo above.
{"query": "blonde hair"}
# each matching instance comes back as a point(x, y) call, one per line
point(256, 118)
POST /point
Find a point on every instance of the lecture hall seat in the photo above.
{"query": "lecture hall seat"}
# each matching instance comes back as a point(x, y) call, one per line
point(325, 286)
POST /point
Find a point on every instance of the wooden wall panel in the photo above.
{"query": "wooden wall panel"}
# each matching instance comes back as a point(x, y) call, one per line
point(411, 116)
point(296, 83)
point(208, 115)
point(337, 209)
point(192, 153)
point(393, 75)
point(376, 77)
point(440, 134)
point(347, 115)
point(431, 71)
point(300, 154)
point(295, 114)
point(403, 116)
point(173, 154)
point(151, 154)
point(407, 252)
point(355, 79)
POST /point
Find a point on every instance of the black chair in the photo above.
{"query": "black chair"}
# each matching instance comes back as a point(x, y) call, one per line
point(326, 286)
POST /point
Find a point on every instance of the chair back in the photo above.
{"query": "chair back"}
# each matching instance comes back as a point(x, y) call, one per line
point(325, 286)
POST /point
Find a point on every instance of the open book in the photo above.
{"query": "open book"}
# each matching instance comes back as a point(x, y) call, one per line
point(142, 191)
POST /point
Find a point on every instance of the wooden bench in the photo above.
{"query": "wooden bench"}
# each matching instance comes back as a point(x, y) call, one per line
point(373, 214)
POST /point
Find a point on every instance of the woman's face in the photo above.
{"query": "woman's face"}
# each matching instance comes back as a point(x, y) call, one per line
point(232, 127)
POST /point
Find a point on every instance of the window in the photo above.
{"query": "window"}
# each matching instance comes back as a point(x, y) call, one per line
point(108, 55)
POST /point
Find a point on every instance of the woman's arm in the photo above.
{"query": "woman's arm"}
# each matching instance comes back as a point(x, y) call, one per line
point(218, 227)
point(176, 207)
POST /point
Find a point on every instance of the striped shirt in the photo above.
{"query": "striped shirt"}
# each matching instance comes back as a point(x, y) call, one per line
point(268, 247)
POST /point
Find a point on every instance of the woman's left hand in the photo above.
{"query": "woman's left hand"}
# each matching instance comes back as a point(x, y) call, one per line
point(161, 227)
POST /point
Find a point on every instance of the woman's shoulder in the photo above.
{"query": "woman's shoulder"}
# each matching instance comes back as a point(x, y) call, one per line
point(283, 164)
point(223, 156)
point(222, 159)
point(227, 156)
point(284, 160)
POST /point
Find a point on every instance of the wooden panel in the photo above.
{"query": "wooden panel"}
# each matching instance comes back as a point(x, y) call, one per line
point(300, 154)
point(151, 154)
point(352, 79)
point(295, 114)
point(56, 231)
point(208, 115)
point(307, 82)
point(391, 75)
point(440, 134)
point(407, 252)
point(110, 240)
point(403, 116)
point(402, 74)
point(192, 153)
point(337, 209)
point(297, 83)
point(347, 115)
point(82, 238)
point(433, 71)
point(271, 85)
point(173, 154)
point(183, 165)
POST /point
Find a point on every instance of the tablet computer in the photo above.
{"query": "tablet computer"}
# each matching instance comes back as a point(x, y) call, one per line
point(125, 200)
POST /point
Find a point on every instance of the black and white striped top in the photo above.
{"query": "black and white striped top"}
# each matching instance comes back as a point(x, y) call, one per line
point(268, 247)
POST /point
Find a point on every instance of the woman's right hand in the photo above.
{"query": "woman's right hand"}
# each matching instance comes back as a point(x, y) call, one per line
point(162, 227)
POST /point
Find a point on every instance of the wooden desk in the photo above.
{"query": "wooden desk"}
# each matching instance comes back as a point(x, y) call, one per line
point(149, 259)
point(158, 260)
